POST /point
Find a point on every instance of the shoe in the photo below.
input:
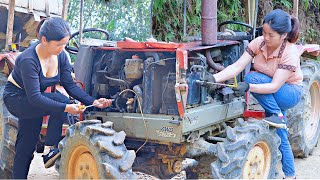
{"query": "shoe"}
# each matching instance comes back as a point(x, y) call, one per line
point(291, 177)
point(50, 158)
point(276, 121)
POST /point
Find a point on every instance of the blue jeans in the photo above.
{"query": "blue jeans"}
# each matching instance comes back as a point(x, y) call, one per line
point(286, 97)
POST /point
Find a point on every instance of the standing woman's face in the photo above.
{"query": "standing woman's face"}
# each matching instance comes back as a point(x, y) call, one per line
point(56, 47)
point(272, 38)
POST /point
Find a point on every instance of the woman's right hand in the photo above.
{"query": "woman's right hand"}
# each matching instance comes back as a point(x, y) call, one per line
point(73, 109)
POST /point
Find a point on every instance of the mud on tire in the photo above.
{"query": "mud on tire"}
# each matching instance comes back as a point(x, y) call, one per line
point(94, 150)
point(250, 151)
point(303, 119)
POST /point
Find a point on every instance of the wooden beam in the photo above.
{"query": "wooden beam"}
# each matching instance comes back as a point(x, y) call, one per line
point(65, 9)
point(295, 8)
point(10, 22)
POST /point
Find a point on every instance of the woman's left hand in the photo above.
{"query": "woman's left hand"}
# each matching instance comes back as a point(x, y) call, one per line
point(102, 102)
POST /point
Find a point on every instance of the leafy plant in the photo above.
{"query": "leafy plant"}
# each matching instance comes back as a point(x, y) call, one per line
point(131, 18)
point(121, 18)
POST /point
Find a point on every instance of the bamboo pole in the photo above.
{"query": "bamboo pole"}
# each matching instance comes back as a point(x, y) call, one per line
point(10, 22)
point(65, 9)
point(81, 21)
point(295, 8)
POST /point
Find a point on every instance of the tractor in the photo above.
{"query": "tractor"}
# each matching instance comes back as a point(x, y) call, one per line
point(163, 121)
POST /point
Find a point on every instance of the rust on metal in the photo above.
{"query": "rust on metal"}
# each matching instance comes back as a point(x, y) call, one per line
point(209, 22)
point(211, 63)
point(258, 162)
point(82, 164)
point(171, 154)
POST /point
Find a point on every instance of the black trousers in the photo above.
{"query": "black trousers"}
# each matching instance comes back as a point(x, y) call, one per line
point(30, 122)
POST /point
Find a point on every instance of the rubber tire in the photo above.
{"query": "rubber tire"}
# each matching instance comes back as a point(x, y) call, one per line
point(8, 135)
point(232, 153)
point(300, 144)
point(114, 160)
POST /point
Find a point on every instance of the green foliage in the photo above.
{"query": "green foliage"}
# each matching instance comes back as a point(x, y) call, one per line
point(230, 10)
point(168, 17)
point(310, 35)
point(283, 4)
point(131, 18)
point(121, 18)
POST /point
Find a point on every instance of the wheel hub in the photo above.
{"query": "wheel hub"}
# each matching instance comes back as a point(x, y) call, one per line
point(82, 165)
point(312, 113)
point(258, 162)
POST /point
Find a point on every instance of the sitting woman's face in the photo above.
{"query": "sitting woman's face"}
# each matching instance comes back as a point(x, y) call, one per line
point(56, 47)
point(272, 38)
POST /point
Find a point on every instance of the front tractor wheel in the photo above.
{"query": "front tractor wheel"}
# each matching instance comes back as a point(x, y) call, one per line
point(92, 150)
point(250, 151)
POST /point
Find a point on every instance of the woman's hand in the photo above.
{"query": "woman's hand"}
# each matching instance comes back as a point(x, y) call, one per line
point(73, 109)
point(102, 102)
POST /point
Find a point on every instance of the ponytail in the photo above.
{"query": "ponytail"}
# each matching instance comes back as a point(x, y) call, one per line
point(293, 35)
point(281, 22)
point(54, 29)
point(38, 28)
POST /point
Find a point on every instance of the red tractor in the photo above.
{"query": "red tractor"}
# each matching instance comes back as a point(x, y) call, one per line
point(163, 121)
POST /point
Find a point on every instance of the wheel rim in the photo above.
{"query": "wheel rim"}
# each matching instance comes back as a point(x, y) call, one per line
point(82, 165)
point(258, 162)
point(312, 112)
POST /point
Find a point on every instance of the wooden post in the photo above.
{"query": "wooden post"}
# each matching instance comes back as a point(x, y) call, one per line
point(65, 9)
point(10, 22)
point(295, 8)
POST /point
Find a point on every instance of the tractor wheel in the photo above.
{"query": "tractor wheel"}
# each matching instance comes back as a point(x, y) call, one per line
point(303, 119)
point(8, 133)
point(250, 151)
point(91, 150)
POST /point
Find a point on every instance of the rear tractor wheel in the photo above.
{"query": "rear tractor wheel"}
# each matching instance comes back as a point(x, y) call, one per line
point(8, 135)
point(304, 118)
point(91, 150)
point(250, 151)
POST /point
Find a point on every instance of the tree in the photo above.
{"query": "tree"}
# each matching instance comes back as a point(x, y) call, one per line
point(121, 18)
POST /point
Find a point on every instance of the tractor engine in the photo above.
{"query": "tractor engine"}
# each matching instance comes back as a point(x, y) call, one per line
point(148, 78)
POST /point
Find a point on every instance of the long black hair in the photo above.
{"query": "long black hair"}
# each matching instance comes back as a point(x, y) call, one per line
point(281, 22)
point(54, 29)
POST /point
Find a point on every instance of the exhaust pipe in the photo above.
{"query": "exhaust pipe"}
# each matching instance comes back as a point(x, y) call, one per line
point(209, 22)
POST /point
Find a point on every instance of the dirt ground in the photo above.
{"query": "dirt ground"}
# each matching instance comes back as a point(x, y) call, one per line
point(306, 168)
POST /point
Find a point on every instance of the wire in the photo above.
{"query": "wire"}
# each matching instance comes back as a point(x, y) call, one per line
point(156, 62)
point(144, 121)
point(165, 87)
point(118, 80)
